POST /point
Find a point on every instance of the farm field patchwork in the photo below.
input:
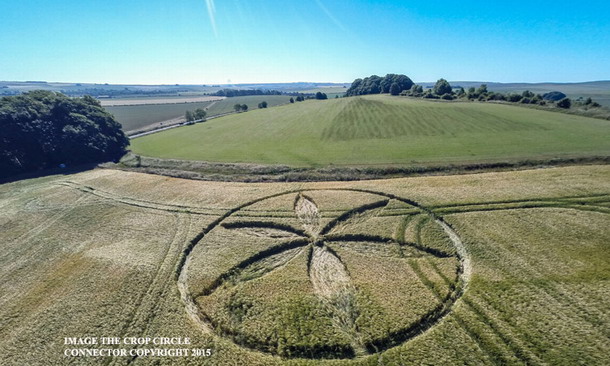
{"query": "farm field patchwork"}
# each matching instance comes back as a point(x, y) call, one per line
point(135, 117)
point(157, 100)
point(382, 130)
point(426, 270)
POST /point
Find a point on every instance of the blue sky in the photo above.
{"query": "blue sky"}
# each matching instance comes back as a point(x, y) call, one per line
point(199, 41)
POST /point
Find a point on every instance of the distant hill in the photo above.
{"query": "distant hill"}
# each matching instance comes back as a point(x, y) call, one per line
point(101, 90)
point(597, 90)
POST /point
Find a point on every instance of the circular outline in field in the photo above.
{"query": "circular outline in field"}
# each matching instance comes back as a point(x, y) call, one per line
point(427, 321)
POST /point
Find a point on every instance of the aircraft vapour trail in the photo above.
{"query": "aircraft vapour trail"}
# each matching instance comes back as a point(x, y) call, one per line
point(330, 15)
point(212, 14)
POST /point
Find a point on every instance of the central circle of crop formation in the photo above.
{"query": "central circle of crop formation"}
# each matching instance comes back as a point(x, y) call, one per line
point(324, 274)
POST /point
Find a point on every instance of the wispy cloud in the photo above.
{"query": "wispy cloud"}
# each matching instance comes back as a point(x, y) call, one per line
point(212, 14)
point(329, 15)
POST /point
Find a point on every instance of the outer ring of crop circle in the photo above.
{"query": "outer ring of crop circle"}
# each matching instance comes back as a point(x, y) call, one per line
point(409, 334)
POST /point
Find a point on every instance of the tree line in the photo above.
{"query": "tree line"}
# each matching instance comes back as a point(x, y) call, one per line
point(399, 84)
point(443, 90)
point(44, 129)
point(229, 93)
point(391, 83)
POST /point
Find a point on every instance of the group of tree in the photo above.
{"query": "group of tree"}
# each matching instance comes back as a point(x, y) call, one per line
point(443, 90)
point(198, 115)
point(262, 104)
point(44, 129)
point(229, 93)
point(391, 83)
point(240, 108)
point(321, 96)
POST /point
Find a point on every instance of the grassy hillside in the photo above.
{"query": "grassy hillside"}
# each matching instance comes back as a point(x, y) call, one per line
point(522, 278)
point(382, 130)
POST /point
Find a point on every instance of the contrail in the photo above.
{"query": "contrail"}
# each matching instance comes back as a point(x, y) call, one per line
point(212, 14)
point(330, 15)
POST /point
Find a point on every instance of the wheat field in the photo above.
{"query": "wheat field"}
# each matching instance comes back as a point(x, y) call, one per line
point(496, 268)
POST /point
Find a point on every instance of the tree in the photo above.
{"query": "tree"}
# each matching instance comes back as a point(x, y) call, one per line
point(321, 96)
point(442, 87)
point(482, 89)
point(237, 108)
point(416, 90)
point(291, 100)
point(43, 129)
point(244, 107)
point(262, 104)
point(200, 114)
point(300, 98)
point(429, 94)
point(395, 89)
point(189, 115)
point(537, 99)
point(375, 84)
point(515, 98)
point(472, 93)
point(495, 96)
point(565, 103)
point(554, 96)
point(527, 94)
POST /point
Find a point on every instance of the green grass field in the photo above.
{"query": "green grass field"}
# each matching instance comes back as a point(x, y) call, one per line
point(226, 105)
point(505, 268)
point(136, 117)
point(382, 130)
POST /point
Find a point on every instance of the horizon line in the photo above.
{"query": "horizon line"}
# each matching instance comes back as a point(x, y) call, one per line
point(293, 82)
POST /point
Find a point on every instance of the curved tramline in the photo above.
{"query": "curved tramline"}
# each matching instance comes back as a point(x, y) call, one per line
point(321, 265)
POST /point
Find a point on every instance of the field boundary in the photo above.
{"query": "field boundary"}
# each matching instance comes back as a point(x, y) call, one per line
point(180, 122)
point(259, 173)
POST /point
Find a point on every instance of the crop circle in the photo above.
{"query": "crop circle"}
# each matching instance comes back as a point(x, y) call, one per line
point(324, 273)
